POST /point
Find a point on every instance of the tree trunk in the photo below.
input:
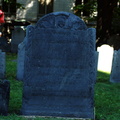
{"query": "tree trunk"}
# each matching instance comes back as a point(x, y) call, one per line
point(78, 2)
point(104, 20)
point(86, 13)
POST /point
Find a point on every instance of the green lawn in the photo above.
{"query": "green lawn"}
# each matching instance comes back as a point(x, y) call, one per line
point(107, 96)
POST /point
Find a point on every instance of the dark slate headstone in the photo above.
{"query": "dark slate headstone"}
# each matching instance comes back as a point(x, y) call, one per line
point(60, 67)
point(4, 45)
point(115, 71)
point(4, 96)
point(18, 35)
point(2, 64)
point(20, 60)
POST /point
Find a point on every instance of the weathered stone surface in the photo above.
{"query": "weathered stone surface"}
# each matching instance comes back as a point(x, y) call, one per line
point(4, 45)
point(60, 67)
point(2, 64)
point(20, 60)
point(4, 96)
point(18, 35)
point(115, 71)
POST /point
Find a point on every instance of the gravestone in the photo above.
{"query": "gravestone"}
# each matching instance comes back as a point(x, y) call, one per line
point(4, 45)
point(115, 71)
point(21, 57)
point(2, 64)
point(96, 62)
point(105, 58)
point(4, 96)
point(18, 35)
point(60, 67)
point(20, 61)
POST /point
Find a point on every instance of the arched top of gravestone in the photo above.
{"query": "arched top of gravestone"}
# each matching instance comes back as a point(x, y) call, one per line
point(105, 48)
point(63, 20)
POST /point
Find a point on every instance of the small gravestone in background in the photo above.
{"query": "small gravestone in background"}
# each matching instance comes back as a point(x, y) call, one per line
point(60, 67)
point(2, 64)
point(105, 58)
point(18, 35)
point(4, 45)
point(115, 72)
point(4, 96)
point(20, 60)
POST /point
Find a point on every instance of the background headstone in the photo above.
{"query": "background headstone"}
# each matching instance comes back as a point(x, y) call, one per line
point(4, 96)
point(105, 58)
point(4, 45)
point(2, 64)
point(20, 60)
point(18, 35)
point(115, 72)
point(60, 67)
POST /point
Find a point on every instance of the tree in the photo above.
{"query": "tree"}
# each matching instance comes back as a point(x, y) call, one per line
point(87, 7)
point(105, 14)
point(10, 6)
point(18, 5)
point(106, 23)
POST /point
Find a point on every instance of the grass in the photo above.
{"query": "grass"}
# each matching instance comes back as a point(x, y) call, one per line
point(107, 96)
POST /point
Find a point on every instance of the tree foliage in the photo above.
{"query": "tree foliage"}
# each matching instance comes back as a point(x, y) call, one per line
point(18, 5)
point(108, 17)
point(90, 7)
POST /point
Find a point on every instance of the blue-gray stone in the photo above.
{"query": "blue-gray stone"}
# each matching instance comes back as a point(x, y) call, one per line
point(2, 64)
point(60, 67)
point(18, 35)
point(4, 96)
point(20, 60)
point(115, 71)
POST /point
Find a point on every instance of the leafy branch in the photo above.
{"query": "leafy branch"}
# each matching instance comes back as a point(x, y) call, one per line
point(18, 5)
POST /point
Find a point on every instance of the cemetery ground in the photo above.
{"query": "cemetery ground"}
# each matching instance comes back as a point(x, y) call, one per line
point(107, 96)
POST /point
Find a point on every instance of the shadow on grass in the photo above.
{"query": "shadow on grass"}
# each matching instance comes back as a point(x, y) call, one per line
point(103, 77)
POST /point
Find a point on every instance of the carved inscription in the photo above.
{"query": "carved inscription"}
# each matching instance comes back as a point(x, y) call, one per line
point(58, 58)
